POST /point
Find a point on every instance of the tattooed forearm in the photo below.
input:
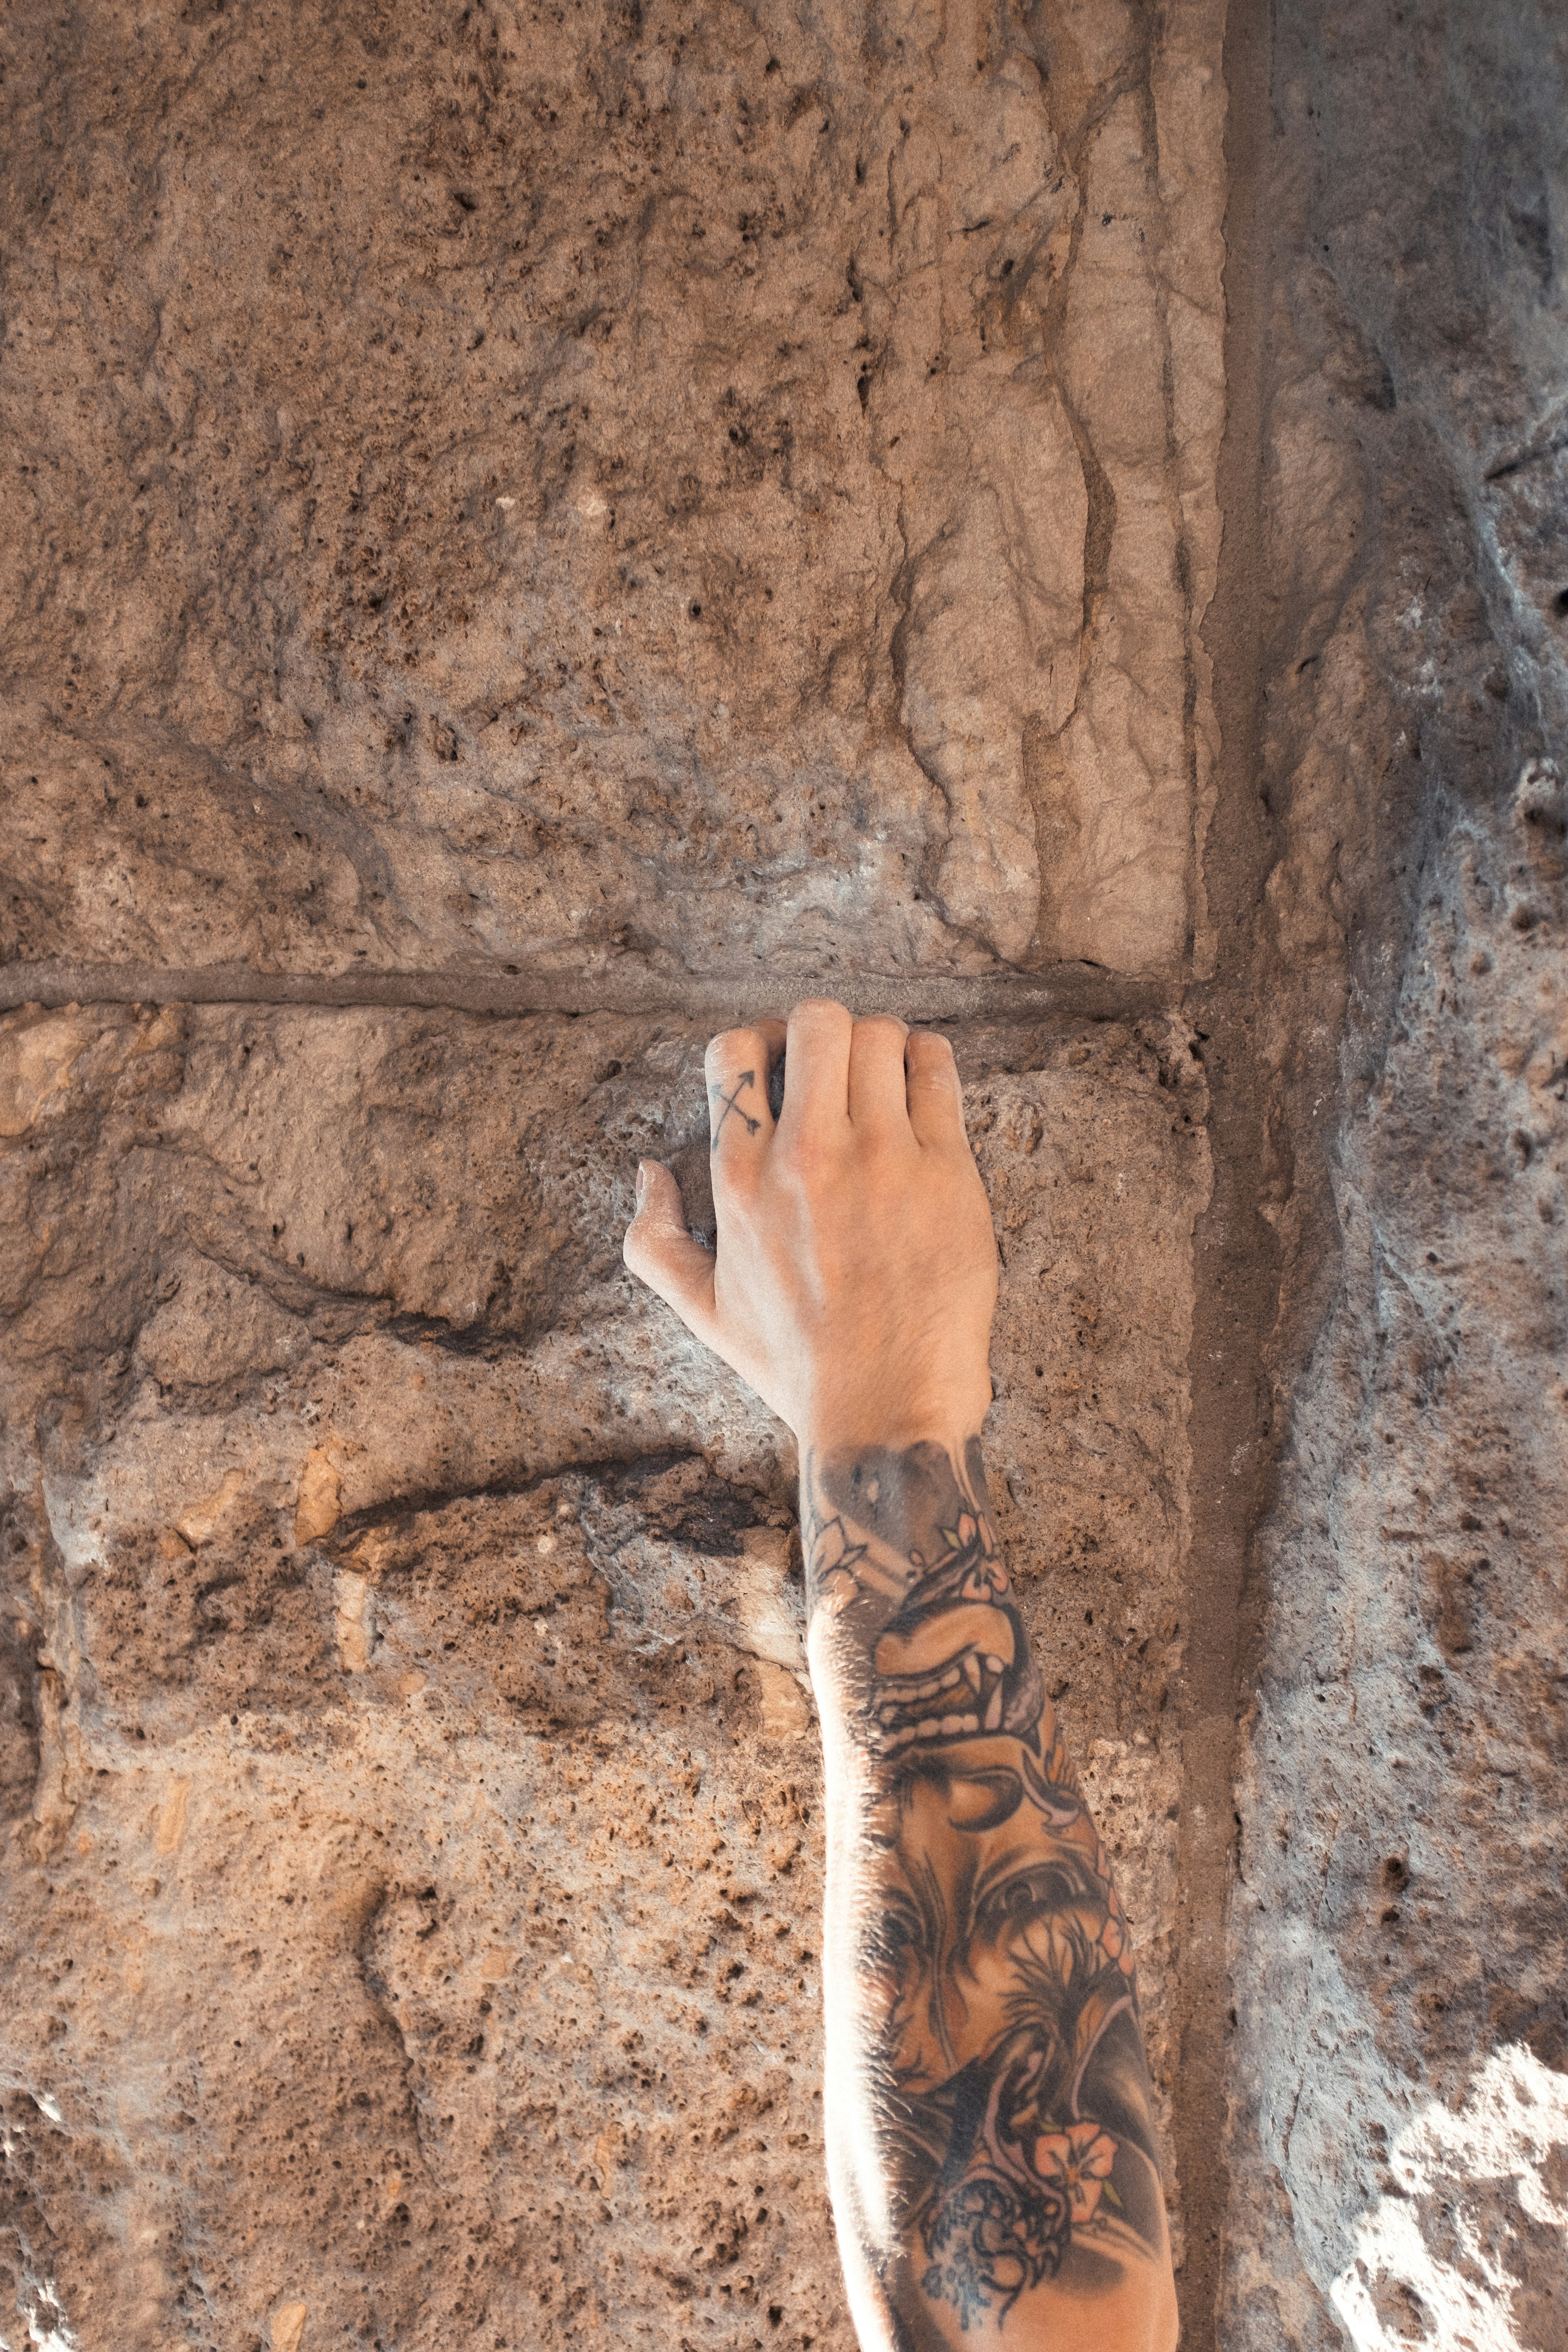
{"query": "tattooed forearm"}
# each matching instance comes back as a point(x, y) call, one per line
point(1003, 2089)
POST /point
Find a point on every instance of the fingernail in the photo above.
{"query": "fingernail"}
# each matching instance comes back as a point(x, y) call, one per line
point(642, 1181)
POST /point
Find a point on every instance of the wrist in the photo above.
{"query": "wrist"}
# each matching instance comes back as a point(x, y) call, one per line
point(880, 1518)
point(841, 1438)
point(849, 1423)
point(906, 1592)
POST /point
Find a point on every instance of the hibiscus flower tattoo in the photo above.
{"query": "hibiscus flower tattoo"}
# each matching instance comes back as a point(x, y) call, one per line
point(1079, 2161)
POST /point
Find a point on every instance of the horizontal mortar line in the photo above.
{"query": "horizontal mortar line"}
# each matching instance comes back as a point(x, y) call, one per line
point(1082, 992)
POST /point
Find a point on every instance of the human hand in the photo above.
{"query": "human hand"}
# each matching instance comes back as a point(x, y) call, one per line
point(855, 1273)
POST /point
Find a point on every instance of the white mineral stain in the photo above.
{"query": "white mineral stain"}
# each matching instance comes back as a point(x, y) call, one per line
point(43, 2315)
point(1516, 2111)
point(75, 1507)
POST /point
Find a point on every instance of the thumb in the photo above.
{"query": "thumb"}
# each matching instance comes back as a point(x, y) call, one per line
point(660, 1250)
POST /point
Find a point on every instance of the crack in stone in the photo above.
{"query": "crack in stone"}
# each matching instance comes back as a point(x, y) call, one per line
point(379, 1995)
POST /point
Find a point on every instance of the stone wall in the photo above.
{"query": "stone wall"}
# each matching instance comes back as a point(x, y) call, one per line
point(1399, 2074)
point(416, 1912)
point(533, 532)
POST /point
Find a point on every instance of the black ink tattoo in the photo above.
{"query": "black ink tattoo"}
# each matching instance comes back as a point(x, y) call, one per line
point(993, 2237)
point(1012, 2106)
point(716, 1095)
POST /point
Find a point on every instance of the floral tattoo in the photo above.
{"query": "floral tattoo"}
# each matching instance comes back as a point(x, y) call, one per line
point(1010, 2095)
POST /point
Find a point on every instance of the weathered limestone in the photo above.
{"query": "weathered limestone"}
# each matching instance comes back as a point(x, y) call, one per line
point(1400, 1919)
point(626, 511)
point(633, 505)
point(1400, 2074)
point(414, 1852)
point(506, 491)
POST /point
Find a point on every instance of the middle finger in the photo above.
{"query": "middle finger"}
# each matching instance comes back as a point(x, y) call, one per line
point(816, 1072)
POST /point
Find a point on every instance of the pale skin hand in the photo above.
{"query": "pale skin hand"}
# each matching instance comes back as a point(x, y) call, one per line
point(990, 2142)
point(856, 1272)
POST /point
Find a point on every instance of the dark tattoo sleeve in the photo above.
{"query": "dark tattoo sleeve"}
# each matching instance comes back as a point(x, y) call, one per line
point(1008, 2089)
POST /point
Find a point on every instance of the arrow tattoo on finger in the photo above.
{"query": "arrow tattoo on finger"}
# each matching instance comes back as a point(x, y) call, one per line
point(732, 1103)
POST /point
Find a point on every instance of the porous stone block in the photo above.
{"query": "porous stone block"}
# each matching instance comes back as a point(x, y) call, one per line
point(1400, 2069)
point(412, 1881)
point(1398, 1921)
point(557, 492)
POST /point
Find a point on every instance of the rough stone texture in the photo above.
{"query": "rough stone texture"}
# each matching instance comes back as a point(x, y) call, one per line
point(606, 516)
point(1400, 2074)
point(524, 487)
point(613, 509)
point(413, 1878)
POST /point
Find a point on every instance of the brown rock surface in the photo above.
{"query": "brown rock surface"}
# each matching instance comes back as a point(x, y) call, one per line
point(529, 531)
point(413, 1870)
point(1400, 2072)
point(507, 488)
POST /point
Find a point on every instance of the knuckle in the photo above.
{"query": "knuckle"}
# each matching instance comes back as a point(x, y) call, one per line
point(800, 1159)
point(878, 1160)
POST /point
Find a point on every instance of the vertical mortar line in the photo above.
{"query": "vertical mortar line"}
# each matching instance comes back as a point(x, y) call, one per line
point(1236, 1270)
